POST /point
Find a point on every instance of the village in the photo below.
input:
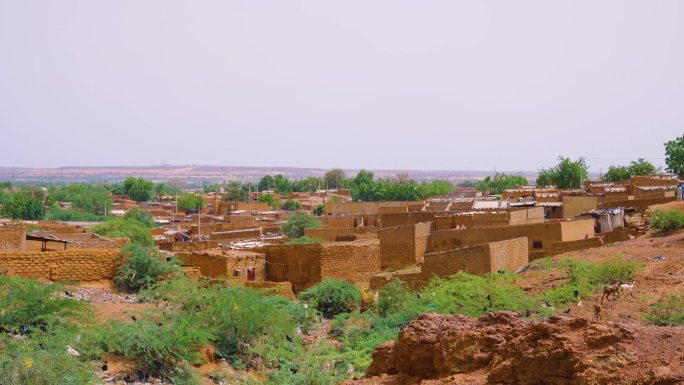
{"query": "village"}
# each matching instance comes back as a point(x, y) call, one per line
point(292, 244)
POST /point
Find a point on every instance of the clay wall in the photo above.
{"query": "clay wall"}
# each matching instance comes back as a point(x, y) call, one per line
point(639, 204)
point(188, 246)
point(235, 234)
point(12, 238)
point(228, 263)
point(332, 234)
point(355, 262)
point(78, 265)
point(478, 259)
point(297, 264)
point(403, 219)
point(397, 247)
point(338, 222)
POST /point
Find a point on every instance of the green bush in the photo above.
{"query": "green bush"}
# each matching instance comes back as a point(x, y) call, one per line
point(135, 230)
point(71, 215)
point(667, 221)
point(332, 297)
point(586, 278)
point(159, 347)
point(143, 217)
point(143, 266)
point(291, 205)
point(669, 312)
point(22, 206)
point(27, 303)
point(294, 228)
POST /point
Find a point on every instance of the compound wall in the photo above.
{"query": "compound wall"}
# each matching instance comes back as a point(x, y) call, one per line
point(12, 238)
point(77, 265)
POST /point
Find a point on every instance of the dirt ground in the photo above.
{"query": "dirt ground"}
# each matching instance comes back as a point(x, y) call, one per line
point(662, 259)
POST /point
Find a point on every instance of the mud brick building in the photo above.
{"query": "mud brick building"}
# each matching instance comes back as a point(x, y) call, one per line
point(78, 265)
point(306, 265)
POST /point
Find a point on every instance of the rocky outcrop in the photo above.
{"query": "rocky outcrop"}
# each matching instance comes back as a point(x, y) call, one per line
point(504, 348)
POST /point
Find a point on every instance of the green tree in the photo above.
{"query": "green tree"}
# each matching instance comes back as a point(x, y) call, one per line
point(335, 178)
point(294, 228)
point(266, 183)
point(138, 189)
point(566, 174)
point(282, 184)
point(291, 205)
point(235, 192)
point(674, 155)
point(141, 216)
point(21, 206)
point(309, 184)
point(92, 199)
point(642, 167)
point(143, 267)
point(135, 230)
point(500, 182)
point(469, 183)
point(617, 174)
point(190, 202)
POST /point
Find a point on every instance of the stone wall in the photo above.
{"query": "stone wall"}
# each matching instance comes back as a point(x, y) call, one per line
point(77, 265)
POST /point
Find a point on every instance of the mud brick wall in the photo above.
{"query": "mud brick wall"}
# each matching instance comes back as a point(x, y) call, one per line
point(556, 248)
point(297, 264)
point(338, 222)
point(236, 234)
point(403, 219)
point(12, 238)
point(478, 259)
point(77, 265)
point(397, 247)
point(354, 262)
point(283, 289)
point(331, 234)
point(56, 227)
point(414, 278)
point(225, 263)
point(639, 204)
point(188, 246)
point(508, 255)
point(422, 237)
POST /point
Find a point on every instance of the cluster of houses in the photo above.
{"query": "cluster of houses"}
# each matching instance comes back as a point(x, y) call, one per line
point(369, 243)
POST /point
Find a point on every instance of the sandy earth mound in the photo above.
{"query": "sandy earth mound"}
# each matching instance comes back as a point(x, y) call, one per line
point(504, 348)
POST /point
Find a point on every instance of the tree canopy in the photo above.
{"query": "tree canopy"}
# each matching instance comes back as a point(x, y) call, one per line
point(294, 228)
point(566, 174)
point(135, 230)
point(335, 178)
point(22, 206)
point(138, 189)
point(674, 155)
point(500, 181)
point(190, 202)
point(636, 167)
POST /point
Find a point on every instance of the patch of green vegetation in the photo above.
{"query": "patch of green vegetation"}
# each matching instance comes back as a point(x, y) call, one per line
point(143, 266)
point(668, 312)
point(71, 215)
point(294, 228)
point(586, 278)
point(667, 221)
point(135, 230)
point(332, 297)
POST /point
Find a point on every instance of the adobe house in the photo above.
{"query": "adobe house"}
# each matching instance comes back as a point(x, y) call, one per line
point(306, 265)
point(238, 264)
point(404, 246)
point(540, 235)
point(508, 255)
point(12, 238)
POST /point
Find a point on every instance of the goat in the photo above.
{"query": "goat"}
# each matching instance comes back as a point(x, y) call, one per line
point(597, 311)
point(629, 287)
point(612, 289)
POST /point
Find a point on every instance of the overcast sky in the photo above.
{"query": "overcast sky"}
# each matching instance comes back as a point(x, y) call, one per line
point(451, 85)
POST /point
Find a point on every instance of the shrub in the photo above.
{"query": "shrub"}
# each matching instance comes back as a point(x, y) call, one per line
point(143, 267)
point(291, 205)
point(158, 347)
point(585, 278)
point(667, 221)
point(22, 206)
point(27, 303)
point(141, 216)
point(332, 297)
point(136, 231)
point(294, 228)
point(71, 215)
point(668, 312)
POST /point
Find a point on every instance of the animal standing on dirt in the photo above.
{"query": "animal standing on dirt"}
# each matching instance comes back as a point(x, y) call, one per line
point(612, 289)
point(597, 312)
point(628, 287)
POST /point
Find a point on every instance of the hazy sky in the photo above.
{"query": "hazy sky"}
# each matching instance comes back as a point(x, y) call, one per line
point(380, 84)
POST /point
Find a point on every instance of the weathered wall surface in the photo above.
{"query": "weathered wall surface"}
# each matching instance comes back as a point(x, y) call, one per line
point(556, 248)
point(397, 247)
point(638, 204)
point(576, 230)
point(78, 265)
point(508, 255)
point(235, 234)
point(403, 219)
point(354, 262)
point(188, 246)
point(12, 238)
point(297, 264)
point(538, 234)
point(422, 238)
point(332, 234)
point(229, 263)
point(574, 206)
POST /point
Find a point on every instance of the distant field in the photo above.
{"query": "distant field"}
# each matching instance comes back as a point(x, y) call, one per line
point(212, 174)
